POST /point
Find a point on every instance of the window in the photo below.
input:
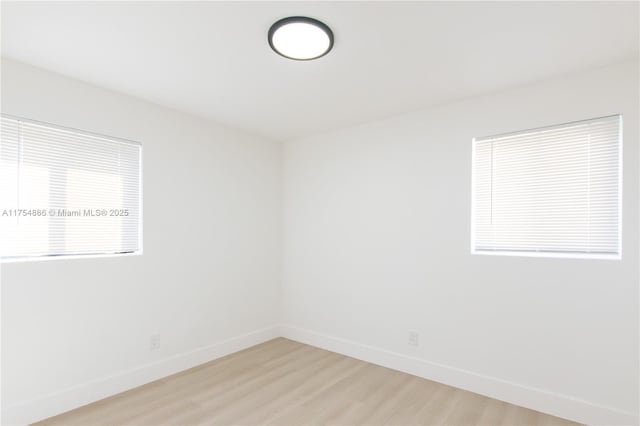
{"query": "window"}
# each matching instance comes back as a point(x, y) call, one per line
point(553, 191)
point(65, 192)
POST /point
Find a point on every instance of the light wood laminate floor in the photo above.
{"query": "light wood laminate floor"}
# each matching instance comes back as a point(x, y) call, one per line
point(282, 382)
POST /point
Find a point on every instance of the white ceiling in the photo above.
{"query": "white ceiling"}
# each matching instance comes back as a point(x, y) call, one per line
point(212, 58)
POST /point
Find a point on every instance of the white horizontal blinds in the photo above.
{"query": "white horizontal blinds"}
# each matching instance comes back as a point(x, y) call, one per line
point(549, 190)
point(70, 193)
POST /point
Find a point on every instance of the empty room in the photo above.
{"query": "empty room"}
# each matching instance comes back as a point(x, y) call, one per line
point(320, 213)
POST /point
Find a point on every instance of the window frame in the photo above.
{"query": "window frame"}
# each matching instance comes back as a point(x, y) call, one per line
point(49, 257)
point(550, 254)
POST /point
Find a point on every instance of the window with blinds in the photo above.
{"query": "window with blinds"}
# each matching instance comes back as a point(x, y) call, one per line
point(65, 192)
point(553, 191)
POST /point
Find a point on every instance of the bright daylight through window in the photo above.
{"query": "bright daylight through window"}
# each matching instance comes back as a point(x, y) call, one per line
point(553, 191)
point(65, 192)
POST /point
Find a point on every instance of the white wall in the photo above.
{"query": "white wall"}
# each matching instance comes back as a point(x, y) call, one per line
point(377, 223)
point(208, 281)
point(376, 244)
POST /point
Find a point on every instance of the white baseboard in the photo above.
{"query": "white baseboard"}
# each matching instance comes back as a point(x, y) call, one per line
point(77, 396)
point(536, 399)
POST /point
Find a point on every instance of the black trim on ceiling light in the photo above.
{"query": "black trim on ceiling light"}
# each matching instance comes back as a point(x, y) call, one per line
point(300, 19)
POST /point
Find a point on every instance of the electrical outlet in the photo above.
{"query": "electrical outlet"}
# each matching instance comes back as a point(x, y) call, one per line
point(414, 338)
point(154, 342)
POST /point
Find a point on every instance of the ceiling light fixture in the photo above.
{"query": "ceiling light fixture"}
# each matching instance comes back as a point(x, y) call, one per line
point(300, 38)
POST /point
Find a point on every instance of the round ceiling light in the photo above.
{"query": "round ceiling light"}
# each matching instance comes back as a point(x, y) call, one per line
point(300, 38)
